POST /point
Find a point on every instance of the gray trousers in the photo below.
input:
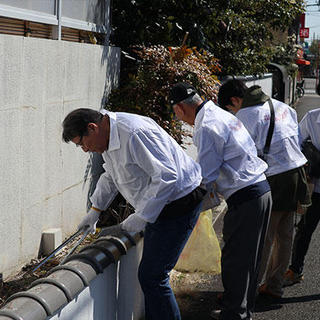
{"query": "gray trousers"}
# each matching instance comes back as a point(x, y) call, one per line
point(244, 231)
point(277, 250)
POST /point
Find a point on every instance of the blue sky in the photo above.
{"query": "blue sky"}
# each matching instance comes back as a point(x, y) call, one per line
point(313, 20)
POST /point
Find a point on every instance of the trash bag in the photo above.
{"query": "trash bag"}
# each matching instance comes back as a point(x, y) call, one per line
point(202, 251)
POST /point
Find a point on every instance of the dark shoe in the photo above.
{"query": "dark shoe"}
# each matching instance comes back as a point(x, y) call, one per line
point(291, 278)
point(215, 314)
point(264, 291)
point(218, 301)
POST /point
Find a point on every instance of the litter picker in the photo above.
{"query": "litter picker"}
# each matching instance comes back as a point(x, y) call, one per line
point(50, 255)
point(76, 246)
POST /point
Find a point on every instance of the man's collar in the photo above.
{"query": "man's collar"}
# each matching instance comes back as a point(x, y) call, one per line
point(114, 141)
point(199, 107)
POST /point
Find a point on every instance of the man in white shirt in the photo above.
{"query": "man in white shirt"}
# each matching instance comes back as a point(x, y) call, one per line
point(157, 178)
point(228, 158)
point(285, 172)
point(309, 128)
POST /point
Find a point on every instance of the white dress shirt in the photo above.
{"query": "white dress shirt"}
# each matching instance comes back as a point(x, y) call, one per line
point(284, 153)
point(309, 126)
point(226, 152)
point(145, 165)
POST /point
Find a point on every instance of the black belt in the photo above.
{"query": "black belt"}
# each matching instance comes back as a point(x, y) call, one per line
point(248, 193)
point(184, 205)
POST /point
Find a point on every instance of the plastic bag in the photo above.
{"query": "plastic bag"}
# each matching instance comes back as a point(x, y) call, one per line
point(202, 251)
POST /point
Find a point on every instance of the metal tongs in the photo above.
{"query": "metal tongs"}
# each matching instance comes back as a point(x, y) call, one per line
point(50, 255)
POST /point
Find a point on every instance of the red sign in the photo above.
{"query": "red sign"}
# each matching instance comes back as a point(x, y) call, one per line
point(304, 33)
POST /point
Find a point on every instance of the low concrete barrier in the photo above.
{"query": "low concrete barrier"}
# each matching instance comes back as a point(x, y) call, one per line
point(99, 283)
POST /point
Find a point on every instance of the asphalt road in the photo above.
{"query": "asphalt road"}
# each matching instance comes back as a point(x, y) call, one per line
point(309, 101)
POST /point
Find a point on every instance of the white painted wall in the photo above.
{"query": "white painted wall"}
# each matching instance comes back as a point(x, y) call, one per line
point(265, 83)
point(42, 178)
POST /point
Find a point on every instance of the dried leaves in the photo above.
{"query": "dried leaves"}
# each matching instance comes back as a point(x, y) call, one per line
point(147, 90)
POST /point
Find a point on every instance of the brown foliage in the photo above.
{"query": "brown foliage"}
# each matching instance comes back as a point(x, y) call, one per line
point(147, 90)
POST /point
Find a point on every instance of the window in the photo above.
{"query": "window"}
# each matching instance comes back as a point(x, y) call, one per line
point(45, 6)
point(81, 15)
point(92, 11)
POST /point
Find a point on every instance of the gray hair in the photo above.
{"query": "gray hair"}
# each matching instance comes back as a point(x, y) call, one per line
point(193, 100)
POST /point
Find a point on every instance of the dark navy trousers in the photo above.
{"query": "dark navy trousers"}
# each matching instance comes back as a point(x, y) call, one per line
point(164, 241)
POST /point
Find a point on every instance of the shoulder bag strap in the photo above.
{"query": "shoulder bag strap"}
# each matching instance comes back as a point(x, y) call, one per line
point(271, 128)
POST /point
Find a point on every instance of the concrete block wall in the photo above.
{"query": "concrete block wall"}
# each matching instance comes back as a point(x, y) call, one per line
point(42, 178)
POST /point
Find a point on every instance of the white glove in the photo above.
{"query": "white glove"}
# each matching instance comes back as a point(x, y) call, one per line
point(89, 222)
point(211, 199)
point(133, 223)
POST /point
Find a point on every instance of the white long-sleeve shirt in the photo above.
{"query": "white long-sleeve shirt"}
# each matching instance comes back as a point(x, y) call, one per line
point(284, 153)
point(226, 152)
point(145, 165)
point(309, 126)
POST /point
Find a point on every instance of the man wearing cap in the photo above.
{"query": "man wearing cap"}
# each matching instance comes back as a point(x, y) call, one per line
point(285, 172)
point(157, 178)
point(228, 158)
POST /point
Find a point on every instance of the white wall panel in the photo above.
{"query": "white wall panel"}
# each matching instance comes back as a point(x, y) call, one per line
point(11, 64)
point(42, 178)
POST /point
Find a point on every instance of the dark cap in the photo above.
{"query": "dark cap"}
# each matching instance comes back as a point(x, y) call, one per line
point(180, 92)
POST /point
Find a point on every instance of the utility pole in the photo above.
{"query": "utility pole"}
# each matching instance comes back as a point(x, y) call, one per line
point(317, 71)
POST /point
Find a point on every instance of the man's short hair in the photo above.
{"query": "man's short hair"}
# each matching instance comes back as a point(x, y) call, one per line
point(231, 88)
point(193, 100)
point(76, 123)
